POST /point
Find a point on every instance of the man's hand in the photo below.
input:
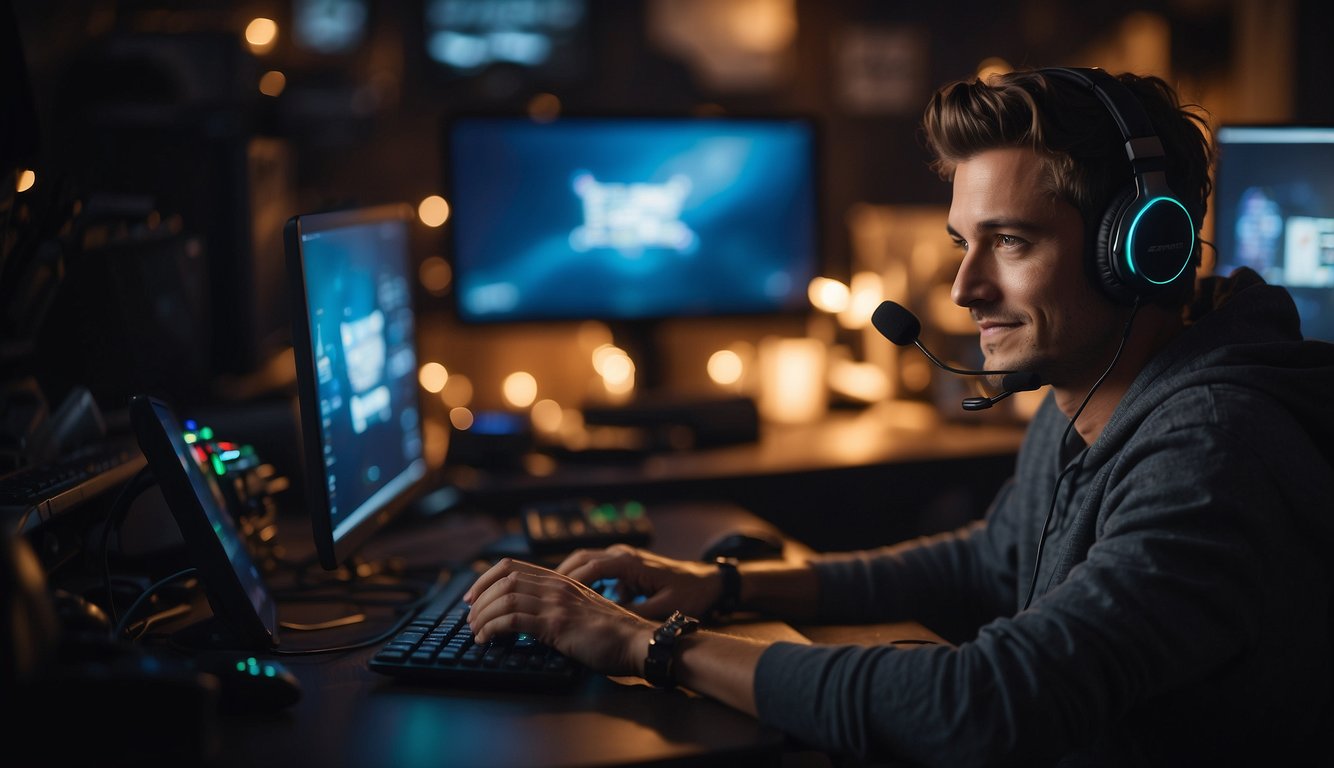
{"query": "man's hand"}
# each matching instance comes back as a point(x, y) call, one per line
point(514, 597)
point(666, 585)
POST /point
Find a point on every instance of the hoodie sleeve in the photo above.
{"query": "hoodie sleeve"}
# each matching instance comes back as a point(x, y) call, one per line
point(952, 582)
point(1195, 544)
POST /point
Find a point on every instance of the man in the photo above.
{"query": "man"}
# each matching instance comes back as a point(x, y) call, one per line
point(1152, 587)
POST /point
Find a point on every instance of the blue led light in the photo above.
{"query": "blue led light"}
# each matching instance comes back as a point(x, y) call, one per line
point(1130, 240)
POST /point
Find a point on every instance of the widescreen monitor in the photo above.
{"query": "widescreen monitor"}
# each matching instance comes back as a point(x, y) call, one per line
point(1274, 213)
point(631, 218)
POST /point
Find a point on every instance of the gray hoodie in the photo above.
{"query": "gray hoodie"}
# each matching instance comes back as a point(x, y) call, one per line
point(1183, 604)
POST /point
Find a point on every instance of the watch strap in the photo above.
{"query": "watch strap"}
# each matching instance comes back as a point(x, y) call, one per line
point(661, 658)
point(729, 599)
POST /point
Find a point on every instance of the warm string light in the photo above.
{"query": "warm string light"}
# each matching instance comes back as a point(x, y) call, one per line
point(725, 367)
point(272, 83)
point(520, 389)
point(616, 369)
point(433, 211)
point(261, 34)
point(433, 377)
point(828, 295)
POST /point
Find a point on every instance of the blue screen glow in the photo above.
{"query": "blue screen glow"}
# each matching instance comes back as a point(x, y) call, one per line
point(631, 218)
point(361, 325)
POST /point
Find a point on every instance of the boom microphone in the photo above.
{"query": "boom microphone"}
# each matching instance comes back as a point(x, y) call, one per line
point(903, 328)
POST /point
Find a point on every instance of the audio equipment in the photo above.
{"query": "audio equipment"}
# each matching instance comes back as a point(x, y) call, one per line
point(903, 328)
point(1146, 238)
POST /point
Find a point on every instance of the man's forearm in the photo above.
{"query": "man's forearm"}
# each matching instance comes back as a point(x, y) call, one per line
point(721, 667)
point(779, 588)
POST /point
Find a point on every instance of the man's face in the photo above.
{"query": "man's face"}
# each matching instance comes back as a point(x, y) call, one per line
point(1022, 276)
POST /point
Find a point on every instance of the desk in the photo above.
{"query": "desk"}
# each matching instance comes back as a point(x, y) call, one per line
point(350, 716)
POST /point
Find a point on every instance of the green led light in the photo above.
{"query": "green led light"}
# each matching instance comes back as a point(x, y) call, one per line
point(206, 433)
point(190, 438)
point(218, 467)
point(240, 666)
point(270, 671)
point(634, 510)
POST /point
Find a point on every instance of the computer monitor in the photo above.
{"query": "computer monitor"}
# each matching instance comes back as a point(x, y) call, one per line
point(631, 218)
point(245, 611)
point(354, 338)
point(1274, 213)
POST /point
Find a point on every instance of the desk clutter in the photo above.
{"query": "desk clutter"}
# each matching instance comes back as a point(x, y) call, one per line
point(199, 644)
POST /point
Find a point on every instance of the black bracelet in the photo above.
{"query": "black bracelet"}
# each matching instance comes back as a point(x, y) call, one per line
point(729, 599)
point(662, 649)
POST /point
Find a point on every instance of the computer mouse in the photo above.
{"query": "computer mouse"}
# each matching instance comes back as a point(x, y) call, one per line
point(250, 685)
point(746, 545)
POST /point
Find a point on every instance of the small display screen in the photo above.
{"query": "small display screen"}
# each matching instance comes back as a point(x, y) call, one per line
point(1274, 213)
point(234, 583)
point(631, 218)
point(210, 499)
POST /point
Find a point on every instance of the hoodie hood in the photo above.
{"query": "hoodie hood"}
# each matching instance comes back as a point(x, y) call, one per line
point(1240, 332)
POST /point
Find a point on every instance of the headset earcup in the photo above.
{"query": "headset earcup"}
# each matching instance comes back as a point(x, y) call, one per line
point(1106, 272)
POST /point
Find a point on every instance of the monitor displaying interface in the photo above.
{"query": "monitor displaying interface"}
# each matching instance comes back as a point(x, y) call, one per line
point(244, 608)
point(621, 218)
point(1274, 213)
point(353, 333)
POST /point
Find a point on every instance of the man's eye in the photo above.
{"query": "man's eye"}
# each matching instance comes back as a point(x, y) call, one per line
point(960, 243)
point(1009, 241)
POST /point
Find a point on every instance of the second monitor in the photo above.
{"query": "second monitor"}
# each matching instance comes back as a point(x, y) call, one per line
point(631, 218)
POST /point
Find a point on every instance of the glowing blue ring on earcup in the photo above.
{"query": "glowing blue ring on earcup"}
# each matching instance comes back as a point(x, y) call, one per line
point(1164, 240)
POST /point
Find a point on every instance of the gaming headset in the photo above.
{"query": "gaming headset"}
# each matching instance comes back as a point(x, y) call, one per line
point(1146, 238)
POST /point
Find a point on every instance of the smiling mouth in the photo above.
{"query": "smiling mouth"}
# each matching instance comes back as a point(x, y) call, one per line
point(994, 328)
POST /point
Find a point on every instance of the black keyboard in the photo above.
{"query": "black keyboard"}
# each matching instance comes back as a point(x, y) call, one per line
point(437, 645)
point(46, 491)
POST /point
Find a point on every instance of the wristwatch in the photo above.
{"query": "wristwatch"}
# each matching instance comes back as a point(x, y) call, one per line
point(662, 649)
point(730, 596)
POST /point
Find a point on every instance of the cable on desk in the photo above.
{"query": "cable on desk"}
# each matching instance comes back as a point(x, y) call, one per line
point(409, 611)
point(140, 628)
point(341, 621)
point(148, 593)
point(142, 481)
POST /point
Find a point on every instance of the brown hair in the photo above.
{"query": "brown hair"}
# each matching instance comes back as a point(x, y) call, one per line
point(1073, 132)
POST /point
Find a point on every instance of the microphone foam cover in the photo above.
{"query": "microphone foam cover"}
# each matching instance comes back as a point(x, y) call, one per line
point(896, 323)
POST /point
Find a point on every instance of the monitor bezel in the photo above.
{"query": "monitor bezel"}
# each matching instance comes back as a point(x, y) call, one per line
point(815, 158)
point(331, 551)
point(246, 624)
